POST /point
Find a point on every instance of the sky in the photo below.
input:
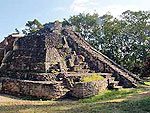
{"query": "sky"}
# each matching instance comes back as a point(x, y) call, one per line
point(15, 13)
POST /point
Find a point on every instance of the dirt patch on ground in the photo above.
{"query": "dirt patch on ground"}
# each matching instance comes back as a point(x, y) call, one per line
point(144, 94)
point(139, 95)
point(11, 100)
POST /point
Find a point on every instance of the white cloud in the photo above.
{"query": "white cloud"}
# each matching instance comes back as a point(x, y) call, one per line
point(116, 10)
point(90, 6)
point(79, 6)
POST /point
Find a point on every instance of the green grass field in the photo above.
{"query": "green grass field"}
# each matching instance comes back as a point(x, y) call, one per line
point(116, 101)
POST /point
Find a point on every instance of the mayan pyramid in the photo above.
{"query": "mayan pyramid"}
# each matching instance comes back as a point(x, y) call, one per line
point(50, 53)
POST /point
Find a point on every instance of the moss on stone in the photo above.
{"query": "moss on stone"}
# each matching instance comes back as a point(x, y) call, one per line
point(93, 77)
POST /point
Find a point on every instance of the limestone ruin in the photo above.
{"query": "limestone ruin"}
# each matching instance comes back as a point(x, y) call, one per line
point(51, 62)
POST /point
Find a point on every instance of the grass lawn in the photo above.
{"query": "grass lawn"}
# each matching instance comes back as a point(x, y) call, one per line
point(121, 101)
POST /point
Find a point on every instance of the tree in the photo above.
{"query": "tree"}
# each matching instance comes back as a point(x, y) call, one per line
point(86, 25)
point(137, 31)
point(124, 40)
point(32, 26)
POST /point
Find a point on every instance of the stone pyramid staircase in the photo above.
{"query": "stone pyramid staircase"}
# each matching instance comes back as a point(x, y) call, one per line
point(113, 84)
point(84, 48)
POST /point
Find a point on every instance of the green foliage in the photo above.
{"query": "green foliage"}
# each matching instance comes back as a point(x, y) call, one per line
point(32, 26)
point(124, 40)
point(93, 77)
point(85, 24)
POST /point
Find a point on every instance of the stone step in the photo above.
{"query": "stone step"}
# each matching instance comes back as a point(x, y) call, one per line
point(88, 74)
point(60, 87)
point(106, 75)
point(61, 90)
point(113, 83)
point(134, 84)
point(117, 87)
point(111, 79)
point(114, 87)
point(40, 89)
point(84, 70)
point(108, 62)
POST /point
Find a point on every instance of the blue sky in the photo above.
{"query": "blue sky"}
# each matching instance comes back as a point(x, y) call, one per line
point(15, 13)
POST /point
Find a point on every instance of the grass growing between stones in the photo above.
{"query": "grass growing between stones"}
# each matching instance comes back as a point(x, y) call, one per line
point(131, 101)
point(93, 77)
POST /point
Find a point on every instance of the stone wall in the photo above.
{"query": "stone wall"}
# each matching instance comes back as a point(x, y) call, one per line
point(29, 76)
point(28, 54)
point(39, 89)
point(87, 89)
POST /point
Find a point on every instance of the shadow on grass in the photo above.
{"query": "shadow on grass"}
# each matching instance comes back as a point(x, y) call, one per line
point(110, 95)
point(32, 98)
point(9, 96)
point(128, 106)
point(59, 106)
point(19, 97)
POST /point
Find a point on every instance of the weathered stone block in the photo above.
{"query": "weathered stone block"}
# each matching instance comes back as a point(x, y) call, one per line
point(87, 89)
point(30, 76)
point(9, 85)
point(39, 89)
